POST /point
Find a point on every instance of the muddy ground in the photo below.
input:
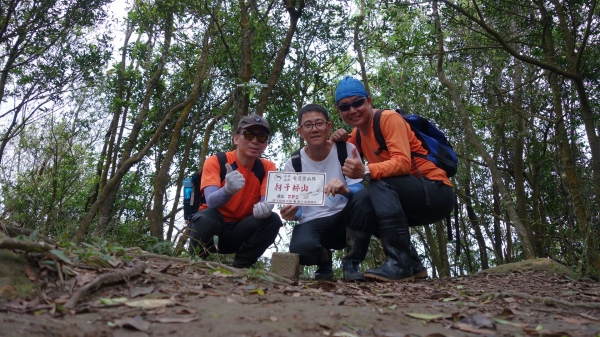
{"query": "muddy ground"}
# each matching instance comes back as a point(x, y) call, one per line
point(177, 297)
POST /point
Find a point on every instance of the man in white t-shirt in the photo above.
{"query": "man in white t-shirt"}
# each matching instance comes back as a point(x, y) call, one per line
point(344, 219)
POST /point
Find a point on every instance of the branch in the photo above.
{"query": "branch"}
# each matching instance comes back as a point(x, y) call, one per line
point(481, 22)
point(120, 275)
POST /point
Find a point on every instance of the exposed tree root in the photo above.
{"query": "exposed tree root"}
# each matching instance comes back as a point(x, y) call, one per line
point(208, 264)
point(25, 245)
point(544, 300)
point(13, 231)
point(120, 275)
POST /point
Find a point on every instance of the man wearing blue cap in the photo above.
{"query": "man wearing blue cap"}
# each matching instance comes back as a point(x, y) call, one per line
point(404, 189)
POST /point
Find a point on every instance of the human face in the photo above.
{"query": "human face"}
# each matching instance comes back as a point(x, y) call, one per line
point(251, 148)
point(314, 128)
point(355, 114)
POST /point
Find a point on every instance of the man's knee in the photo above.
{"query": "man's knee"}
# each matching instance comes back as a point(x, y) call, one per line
point(205, 224)
point(272, 224)
point(309, 251)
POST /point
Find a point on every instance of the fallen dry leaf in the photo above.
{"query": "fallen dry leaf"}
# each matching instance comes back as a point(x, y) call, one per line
point(427, 317)
point(30, 272)
point(137, 291)
point(85, 278)
point(136, 322)
point(589, 316)
point(177, 319)
point(573, 320)
point(470, 328)
point(478, 321)
point(186, 311)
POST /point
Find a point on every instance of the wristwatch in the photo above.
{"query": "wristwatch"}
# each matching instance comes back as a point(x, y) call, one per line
point(367, 175)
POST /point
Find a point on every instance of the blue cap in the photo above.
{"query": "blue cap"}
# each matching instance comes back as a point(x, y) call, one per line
point(348, 87)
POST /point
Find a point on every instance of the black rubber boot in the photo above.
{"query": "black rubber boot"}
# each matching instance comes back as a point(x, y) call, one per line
point(357, 245)
point(418, 269)
point(246, 256)
point(325, 267)
point(395, 239)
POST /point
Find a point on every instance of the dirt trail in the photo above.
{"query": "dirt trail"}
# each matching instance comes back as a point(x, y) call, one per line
point(176, 298)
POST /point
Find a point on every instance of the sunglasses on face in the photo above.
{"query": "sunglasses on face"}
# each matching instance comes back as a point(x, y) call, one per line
point(356, 104)
point(249, 135)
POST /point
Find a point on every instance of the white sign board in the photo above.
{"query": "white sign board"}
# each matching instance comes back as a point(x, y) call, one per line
point(296, 188)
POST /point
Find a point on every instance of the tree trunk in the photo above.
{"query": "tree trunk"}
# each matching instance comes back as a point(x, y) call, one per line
point(357, 47)
point(474, 139)
point(579, 205)
point(107, 207)
point(155, 216)
point(437, 261)
point(475, 222)
point(279, 63)
point(518, 146)
point(497, 227)
point(207, 131)
point(442, 245)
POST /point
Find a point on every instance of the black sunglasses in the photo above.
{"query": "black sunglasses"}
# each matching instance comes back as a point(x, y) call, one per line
point(249, 135)
point(356, 104)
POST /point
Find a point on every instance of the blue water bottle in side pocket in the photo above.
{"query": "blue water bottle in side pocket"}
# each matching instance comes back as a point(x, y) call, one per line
point(188, 187)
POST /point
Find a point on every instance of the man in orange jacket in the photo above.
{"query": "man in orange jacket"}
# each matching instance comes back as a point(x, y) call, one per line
point(405, 190)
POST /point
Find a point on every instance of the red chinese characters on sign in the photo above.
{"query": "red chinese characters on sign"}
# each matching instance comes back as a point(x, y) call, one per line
point(302, 188)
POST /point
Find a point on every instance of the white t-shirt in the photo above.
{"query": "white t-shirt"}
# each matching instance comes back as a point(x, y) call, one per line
point(331, 166)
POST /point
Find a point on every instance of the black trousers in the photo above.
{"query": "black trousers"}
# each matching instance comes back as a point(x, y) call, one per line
point(422, 200)
point(248, 238)
point(309, 238)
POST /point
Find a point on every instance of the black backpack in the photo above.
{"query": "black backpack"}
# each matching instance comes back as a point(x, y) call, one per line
point(341, 150)
point(193, 198)
point(439, 152)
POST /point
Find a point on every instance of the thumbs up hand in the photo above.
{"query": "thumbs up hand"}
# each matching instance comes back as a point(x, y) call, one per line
point(234, 181)
point(353, 166)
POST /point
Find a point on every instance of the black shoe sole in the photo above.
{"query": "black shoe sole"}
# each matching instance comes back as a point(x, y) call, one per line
point(421, 275)
point(385, 279)
point(323, 277)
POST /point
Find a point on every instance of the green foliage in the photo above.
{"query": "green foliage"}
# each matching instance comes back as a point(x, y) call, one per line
point(63, 98)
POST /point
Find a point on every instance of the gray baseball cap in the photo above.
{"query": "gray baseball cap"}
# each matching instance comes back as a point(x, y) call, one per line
point(253, 119)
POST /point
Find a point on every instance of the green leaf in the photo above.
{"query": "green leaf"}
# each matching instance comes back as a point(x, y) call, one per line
point(34, 235)
point(61, 255)
point(221, 271)
point(107, 301)
point(266, 277)
point(258, 291)
point(505, 322)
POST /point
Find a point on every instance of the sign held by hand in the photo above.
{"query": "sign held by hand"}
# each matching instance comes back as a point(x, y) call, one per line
point(296, 188)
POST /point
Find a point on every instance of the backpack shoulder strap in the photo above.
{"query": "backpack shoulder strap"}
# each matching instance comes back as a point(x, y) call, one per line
point(297, 161)
point(222, 157)
point(358, 142)
point(342, 152)
point(377, 132)
point(258, 169)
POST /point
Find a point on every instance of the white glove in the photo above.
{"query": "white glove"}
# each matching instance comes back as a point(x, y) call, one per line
point(234, 180)
point(262, 210)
